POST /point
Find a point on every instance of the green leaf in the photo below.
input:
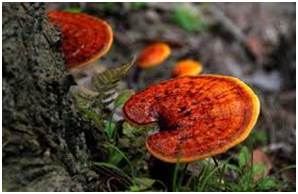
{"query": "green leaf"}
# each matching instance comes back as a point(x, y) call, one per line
point(128, 129)
point(141, 184)
point(247, 179)
point(243, 157)
point(110, 129)
point(92, 115)
point(114, 168)
point(85, 102)
point(123, 155)
point(267, 183)
point(84, 98)
point(109, 79)
point(123, 97)
point(211, 174)
point(115, 157)
point(258, 169)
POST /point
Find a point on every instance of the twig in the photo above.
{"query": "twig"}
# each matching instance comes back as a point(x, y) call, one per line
point(227, 24)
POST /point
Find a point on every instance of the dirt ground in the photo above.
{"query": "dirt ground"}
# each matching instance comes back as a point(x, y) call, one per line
point(252, 41)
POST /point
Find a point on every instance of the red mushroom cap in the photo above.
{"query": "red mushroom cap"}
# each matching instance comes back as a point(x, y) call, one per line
point(187, 67)
point(84, 38)
point(153, 55)
point(199, 116)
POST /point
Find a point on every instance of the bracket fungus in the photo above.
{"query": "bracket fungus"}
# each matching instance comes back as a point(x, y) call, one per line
point(199, 116)
point(187, 67)
point(84, 38)
point(153, 55)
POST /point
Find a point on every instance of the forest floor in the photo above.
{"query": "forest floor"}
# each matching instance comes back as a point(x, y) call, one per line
point(252, 41)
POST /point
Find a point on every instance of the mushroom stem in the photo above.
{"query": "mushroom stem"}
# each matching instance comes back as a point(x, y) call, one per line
point(135, 78)
point(162, 171)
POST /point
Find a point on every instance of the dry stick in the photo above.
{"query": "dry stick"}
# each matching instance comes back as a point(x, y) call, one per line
point(228, 24)
point(234, 30)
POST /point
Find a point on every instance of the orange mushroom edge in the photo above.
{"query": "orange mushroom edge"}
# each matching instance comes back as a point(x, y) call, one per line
point(199, 116)
point(84, 38)
point(153, 55)
point(187, 67)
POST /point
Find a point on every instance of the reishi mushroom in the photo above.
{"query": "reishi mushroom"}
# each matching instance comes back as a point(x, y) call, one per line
point(153, 55)
point(84, 38)
point(199, 116)
point(187, 67)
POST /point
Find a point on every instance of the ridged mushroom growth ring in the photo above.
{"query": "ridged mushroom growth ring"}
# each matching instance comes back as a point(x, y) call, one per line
point(198, 116)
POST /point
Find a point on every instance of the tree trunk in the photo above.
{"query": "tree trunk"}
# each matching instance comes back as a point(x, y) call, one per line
point(43, 139)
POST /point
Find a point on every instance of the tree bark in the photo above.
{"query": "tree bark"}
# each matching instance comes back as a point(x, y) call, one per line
point(43, 139)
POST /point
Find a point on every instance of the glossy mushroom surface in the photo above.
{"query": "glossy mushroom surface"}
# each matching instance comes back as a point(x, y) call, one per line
point(187, 67)
point(84, 38)
point(153, 55)
point(199, 116)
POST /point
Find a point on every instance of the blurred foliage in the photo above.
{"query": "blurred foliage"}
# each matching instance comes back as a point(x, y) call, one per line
point(190, 19)
point(243, 157)
point(74, 10)
point(138, 5)
point(110, 7)
point(257, 138)
point(3, 187)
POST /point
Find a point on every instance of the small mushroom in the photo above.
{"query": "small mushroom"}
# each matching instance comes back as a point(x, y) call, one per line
point(199, 116)
point(84, 38)
point(187, 67)
point(153, 55)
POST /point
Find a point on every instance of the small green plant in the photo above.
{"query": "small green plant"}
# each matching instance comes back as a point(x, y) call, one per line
point(94, 104)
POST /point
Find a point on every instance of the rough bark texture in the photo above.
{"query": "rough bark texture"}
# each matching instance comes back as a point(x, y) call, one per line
point(44, 146)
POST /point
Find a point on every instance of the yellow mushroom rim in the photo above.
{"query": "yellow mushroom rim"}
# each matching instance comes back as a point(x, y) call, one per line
point(187, 67)
point(153, 55)
point(199, 116)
